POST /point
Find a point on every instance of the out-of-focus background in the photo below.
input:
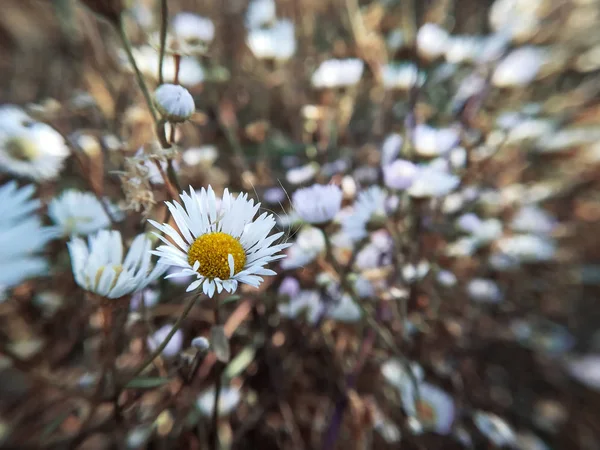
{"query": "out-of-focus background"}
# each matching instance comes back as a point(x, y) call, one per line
point(484, 294)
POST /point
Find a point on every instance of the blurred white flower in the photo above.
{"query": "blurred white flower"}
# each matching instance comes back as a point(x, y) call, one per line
point(430, 141)
point(305, 303)
point(302, 174)
point(28, 148)
point(390, 148)
point(527, 247)
point(220, 243)
point(519, 19)
point(174, 345)
point(334, 73)
point(446, 278)
point(585, 369)
point(484, 290)
point(289, 286)
point(468, 222)
point(80, 213)
point(520, 67)
point(228, 401)
point(400, 174)
point(363, 287)
point(99, 267)
point(22, 236)
point(465, 246)
point(529, 130)
point(201, 343)
point(412, 273)
point(494, 428)
point(396, 373)
point(529, 441)
point(192, 28)
point(277, 42)
point(274, 195)
point(204, 156)
point(149, 296)
point(147, 58)
point(309, 244)
point(317, 204)
point(568, 138)
point(260, 13)
point(369, 205)
point(432, 41)
point(434, 410)
point(533, 219)
point(174, 102)
point(190, 35)
point(401, 76)
point(431, 182)
point(463, 49)
point(344, 310)
point(396, 40)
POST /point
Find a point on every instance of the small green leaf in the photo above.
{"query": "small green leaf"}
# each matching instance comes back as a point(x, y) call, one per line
point(147, 382)
point(231, 299)
point(240, 362)
point(219, 343)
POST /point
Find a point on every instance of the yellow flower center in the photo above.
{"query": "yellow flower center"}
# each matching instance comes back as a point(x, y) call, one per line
point(21, 149)
point(211, 250)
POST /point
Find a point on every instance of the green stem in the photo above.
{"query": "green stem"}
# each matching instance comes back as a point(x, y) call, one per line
point(164, 15)
point(138, 74)
point(150, 359)
point(214, 435)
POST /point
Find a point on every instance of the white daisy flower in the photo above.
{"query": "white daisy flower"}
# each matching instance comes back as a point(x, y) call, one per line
point(204, 156)
point(318, 203)
point(463, 49)
point(302, 174)
point(221, 245)
point(434, 410)
point(22, 236)
point(99, 267)
point(494, 428)
point(277, 42)
point(28, 148)
point(335, 73)
point(80, 213)
point(174, 102)
point(369, 205)
point(228, 400)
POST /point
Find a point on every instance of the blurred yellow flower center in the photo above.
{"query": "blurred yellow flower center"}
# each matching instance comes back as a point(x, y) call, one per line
point(21, 149)
point(211, 250)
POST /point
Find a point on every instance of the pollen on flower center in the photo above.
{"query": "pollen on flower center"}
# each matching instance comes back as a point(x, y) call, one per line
point(211, 250)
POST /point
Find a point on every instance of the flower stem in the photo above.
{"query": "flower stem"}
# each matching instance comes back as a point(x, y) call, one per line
point(214, 435)
point(138, 74)
point(164, 15)
point(163, 344)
